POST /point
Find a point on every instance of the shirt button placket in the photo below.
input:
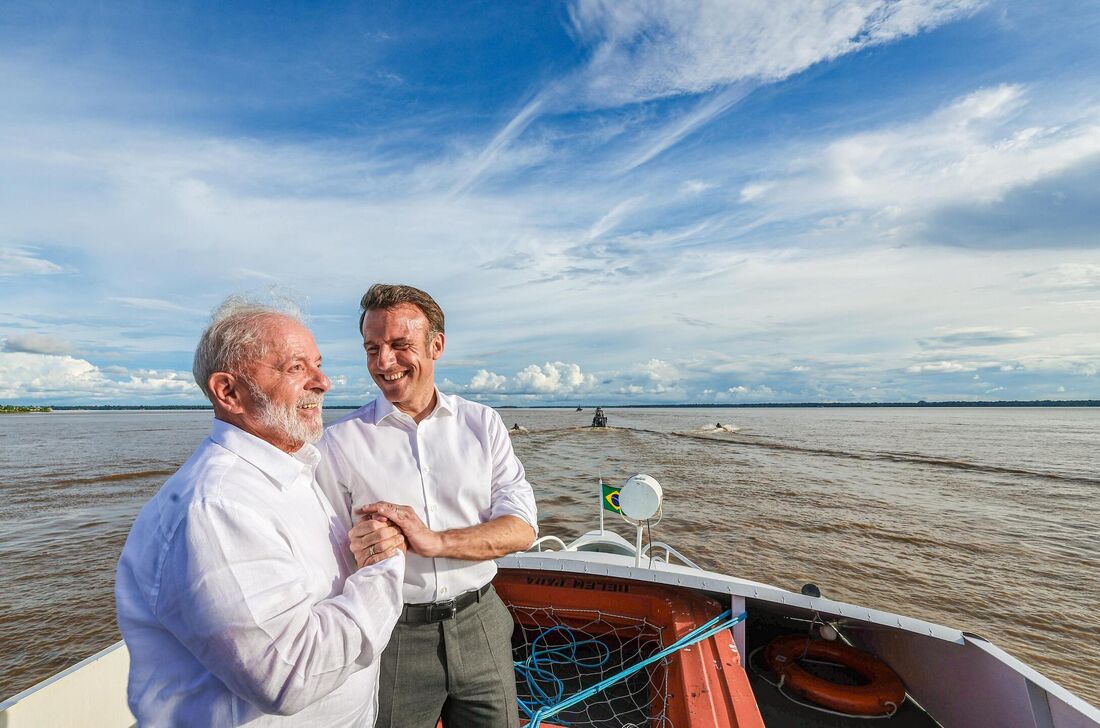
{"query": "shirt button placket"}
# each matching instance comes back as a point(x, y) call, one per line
point(429, 507)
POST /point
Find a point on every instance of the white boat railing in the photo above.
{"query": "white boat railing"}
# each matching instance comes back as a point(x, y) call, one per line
point(537, 545)
point(669, 552)
point(655, 551)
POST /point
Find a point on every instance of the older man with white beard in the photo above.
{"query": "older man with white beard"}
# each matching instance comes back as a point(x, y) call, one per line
point(237, 596)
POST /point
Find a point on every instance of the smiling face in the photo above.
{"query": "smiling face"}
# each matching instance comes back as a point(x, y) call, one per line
point(401, 358)
point(284, 389)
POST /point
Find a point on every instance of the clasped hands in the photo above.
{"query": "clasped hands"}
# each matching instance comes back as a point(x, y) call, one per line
point(385, 528)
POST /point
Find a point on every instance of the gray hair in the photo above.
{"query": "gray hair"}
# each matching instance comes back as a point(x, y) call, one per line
point(236, 334)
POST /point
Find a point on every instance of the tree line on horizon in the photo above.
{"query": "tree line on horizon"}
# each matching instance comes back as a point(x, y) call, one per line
point(16, 408)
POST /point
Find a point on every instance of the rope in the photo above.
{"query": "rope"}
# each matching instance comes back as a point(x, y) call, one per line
point(534, 670)
point(720, 623)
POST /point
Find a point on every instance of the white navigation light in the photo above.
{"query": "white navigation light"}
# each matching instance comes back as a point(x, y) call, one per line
point(640, 497)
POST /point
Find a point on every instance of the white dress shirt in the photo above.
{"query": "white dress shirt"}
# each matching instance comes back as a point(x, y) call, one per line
point(456, 469)
point(238, 598)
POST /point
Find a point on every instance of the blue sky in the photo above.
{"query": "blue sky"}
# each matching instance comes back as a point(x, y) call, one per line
point(615, 202)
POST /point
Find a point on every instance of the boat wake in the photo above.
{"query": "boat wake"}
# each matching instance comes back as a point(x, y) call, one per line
point(719, 428)
point(119, 477)
point(896, 457)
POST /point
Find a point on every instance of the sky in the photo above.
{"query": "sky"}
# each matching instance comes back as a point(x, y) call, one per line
point(614, 201)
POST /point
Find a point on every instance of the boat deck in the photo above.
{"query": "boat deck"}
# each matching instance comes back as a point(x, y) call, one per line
point(575, 635)
point(780, 712)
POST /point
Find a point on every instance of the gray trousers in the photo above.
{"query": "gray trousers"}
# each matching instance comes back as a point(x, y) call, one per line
point(460, 669)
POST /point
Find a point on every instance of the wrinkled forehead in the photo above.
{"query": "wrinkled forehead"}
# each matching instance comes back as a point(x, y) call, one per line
point(404, 321)
point(285, 337)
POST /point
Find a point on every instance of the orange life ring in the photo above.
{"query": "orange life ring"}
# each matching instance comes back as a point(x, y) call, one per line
point(882, 695)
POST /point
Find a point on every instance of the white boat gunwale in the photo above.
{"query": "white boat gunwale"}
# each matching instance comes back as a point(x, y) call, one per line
point(1020, 688)
point(1049, 704)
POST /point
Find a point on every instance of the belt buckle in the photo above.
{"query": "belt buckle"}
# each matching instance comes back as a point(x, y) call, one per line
point(442, 611)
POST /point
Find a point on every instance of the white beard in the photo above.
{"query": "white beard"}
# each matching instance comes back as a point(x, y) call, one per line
point(284, 418)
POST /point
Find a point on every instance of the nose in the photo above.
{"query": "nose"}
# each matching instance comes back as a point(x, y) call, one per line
point(320, 381)
point(386, 357)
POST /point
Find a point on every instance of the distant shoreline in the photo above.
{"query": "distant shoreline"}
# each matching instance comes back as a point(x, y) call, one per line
point(13, 409)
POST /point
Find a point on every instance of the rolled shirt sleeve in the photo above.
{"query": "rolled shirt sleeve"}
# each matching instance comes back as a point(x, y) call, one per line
point(456, 468)
point(243, 607)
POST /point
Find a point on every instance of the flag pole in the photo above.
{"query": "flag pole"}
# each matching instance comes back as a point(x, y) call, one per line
point(599, 503)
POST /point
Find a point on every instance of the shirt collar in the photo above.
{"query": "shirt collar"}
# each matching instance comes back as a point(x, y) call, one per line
point(383, 408)
point(282, 467)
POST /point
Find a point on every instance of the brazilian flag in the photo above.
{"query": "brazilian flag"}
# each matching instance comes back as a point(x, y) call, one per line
point(610, 498)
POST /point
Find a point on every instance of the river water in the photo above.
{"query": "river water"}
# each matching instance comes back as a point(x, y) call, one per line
point(980, 519)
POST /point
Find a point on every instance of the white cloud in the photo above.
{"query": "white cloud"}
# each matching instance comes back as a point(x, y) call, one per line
point(1068, 276)
point(491, 156)
point(974, 336)
point(26, 376)
point(18, 260)
point(549, 380)
point(697, 186)
point(667, 136)
point(643, 50)
point(36, 344)
point(614, 216)
point(658, 370)
point(940, 367)
point(486, 381)
point(741, 393)
point(156, 304)
point(554, 378)
point(650, 49)
point(754, 190)
point(1081, 364)
point(973, 151)
point(330, 217)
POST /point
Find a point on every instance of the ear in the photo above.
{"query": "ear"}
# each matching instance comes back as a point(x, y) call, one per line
point(436, 345)
point(225, 389)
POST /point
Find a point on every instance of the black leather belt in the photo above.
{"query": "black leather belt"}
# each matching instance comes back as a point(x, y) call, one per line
point(442, 611)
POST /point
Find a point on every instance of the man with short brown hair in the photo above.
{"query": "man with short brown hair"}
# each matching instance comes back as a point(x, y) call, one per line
point(442, 470)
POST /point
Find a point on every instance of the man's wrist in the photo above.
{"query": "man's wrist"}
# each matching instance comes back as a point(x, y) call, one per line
point(437, 545)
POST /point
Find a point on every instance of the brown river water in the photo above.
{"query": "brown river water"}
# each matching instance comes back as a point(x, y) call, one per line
point(980, 519)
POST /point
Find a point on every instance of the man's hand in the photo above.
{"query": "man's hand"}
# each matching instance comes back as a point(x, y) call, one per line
point(489, 540)
point(420, 538)
point(374, 539)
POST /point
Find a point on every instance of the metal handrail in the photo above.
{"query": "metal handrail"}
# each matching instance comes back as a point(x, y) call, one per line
point(669, 551)
point(537, 545)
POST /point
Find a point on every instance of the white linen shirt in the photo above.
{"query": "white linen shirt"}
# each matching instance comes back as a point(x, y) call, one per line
point(455, 469)
point(238, 598)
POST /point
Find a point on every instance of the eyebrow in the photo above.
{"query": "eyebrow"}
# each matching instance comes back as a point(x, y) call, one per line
point(293, 358)
point(398, 340)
